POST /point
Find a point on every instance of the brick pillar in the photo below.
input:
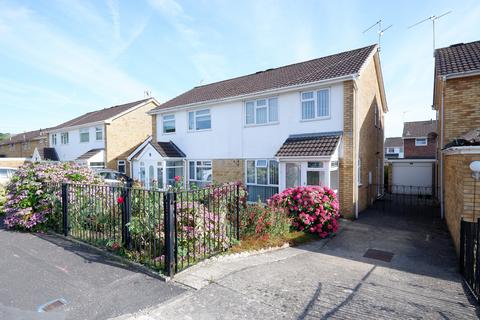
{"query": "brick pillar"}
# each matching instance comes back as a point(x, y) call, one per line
point(346, 163)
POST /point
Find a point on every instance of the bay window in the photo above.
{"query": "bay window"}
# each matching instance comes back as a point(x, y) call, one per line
point(261, 111)
point(315, 104)
point(200, 172)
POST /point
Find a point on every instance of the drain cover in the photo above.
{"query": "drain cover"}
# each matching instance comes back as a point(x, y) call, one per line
point(379, 255)
point(49, 306)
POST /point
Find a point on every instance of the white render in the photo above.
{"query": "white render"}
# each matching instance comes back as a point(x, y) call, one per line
point(75, 148)
point(230, 138)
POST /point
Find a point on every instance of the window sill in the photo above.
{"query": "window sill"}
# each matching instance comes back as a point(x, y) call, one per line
point(315, 119)
point(168, 133)
point(203, 130)
point(261, 124)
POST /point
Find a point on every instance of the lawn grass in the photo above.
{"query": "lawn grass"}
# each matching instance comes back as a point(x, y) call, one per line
point(253, 243)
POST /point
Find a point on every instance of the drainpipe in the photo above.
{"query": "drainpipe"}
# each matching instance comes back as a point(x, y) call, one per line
point(442, 135)
point(357, 142)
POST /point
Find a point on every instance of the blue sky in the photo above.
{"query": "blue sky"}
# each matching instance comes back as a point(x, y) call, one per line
point(59, 59)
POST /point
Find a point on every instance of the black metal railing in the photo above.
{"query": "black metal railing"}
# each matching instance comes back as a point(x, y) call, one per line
point(404, 199)
point(165, 230)
point(469, 261)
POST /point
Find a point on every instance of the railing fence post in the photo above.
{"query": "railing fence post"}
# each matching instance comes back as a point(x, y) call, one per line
point(237, 218)
point(126, 214)
point(169, 210)
point(65, 208)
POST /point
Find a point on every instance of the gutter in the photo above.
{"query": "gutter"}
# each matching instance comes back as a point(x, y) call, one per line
point(255, 94)
point(461, 74)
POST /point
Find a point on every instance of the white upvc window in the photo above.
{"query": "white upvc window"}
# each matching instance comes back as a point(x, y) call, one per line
point(199, 172)
point(84, 135)
point(168, 123)
point(64, 138)
point(173, 168)
point(390, 150)
point(421, 142)
point(54, 139)
point(261, 111)
point(97, 165)
point(199, 120)
point(98, 133)
point(121, 166)
point(262, 172)
point(315, 104)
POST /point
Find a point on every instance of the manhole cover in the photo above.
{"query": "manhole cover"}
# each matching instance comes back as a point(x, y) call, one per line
point(379, 255)
point(49, 306)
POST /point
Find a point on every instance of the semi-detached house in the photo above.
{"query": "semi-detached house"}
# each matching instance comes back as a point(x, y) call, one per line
point(318, 122)
point(103, 138)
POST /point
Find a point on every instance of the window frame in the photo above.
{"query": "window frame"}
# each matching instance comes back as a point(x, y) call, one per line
point(202, 165)
point(174, 123)
point(54, 139)
point(269, 174)
point(315, 104)
point(82, 132)
point(64, 138)
point(267, 106)
point(122, 163)
point(97, 131)
point(195, 116)
point(421, 144)
point(390, 150)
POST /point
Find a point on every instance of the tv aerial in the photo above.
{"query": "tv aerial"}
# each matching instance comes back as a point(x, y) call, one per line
point(380, 31)
point(433, 19)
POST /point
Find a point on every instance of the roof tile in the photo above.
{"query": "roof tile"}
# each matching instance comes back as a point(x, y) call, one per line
point(309, 145)
point(458, 58)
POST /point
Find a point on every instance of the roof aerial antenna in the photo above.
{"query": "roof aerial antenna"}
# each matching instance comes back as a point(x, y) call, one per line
point(433, 19)
point(201, 82)
point(380, 31)
point(147, 93)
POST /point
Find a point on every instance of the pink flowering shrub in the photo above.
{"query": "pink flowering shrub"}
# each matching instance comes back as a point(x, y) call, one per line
point(312, 209)
point(34, 190)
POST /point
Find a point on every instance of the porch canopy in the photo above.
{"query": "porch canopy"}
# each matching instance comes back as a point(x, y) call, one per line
point(94, 158)
point(309, 159)
point(155, 164)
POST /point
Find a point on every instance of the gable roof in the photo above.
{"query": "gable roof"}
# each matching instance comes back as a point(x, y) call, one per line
point(416, 129)
point(329, 67)
point(100, 115)
point(26, 136)
point(309, 145)
point(167, 149)
point(457, 59)
point(393, 142)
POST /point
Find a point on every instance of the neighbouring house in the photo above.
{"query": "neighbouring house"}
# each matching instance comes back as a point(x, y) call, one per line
point(394, 148)
point(104, 138)
point(457, 102)
point(318, 122)
point(420, 139)
point(30, 145)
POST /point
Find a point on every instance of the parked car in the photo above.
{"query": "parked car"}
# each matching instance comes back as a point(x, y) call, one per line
point(113, 177)
point(6, 174)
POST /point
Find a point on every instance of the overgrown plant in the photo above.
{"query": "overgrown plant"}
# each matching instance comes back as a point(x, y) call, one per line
point(261, 220)
point(312, 209)
point(34, 191)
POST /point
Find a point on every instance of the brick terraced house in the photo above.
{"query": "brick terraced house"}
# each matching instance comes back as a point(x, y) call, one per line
point(318, 122)
point(28, 145)
point(457, 102)
point(104, 138)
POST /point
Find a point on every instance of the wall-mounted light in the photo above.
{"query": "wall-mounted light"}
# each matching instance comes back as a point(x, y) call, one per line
point(475, 167)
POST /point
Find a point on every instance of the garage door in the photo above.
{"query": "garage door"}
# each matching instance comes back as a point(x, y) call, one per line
point(412, 174)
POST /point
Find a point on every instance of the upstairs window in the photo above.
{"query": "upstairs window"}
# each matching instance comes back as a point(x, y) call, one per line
point(420, 142)
point(199, 120)
point(261, 111)
point(54, 139)
point(64, 138)
point(84, 135)
point(315, 104)
point(98, 133)
point(168, 123)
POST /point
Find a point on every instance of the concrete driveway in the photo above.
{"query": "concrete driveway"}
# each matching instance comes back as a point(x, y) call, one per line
point(37, 269)
point(332, 279)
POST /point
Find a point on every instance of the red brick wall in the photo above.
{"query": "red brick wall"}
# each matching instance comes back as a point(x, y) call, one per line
point(412, 151)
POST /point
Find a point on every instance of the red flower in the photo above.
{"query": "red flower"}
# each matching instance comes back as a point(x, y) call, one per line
point(120, 200)
point(116, 246)
point(177, 178)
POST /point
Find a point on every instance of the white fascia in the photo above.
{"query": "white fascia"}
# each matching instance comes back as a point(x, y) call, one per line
point(140, 147)
point(256, 94)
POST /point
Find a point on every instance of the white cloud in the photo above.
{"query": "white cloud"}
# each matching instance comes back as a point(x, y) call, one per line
point(25, 37)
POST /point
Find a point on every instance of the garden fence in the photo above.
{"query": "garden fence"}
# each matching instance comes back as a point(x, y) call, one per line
point(165, 230)
point(470, 255)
